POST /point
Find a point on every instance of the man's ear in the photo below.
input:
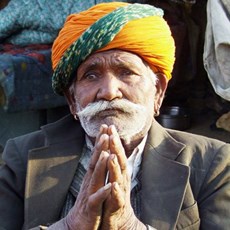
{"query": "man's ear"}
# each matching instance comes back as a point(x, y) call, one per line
point(70, 98)
point(161, 86)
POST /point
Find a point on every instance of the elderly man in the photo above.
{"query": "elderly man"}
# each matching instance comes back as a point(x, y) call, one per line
point(110, 165)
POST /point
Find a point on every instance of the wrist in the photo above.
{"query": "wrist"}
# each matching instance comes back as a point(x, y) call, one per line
point(133, 223)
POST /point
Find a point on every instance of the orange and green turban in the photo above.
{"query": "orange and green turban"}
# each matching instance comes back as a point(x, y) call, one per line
point(137, 28)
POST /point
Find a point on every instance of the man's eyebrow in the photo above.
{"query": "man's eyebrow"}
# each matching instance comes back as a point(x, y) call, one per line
point(120, 63)
point(125, 63)
point(91, 65)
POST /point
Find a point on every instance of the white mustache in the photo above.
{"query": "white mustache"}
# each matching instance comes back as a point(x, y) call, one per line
point(124, 105)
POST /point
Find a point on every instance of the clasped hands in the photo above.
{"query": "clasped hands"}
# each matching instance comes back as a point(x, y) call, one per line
point(105, 206)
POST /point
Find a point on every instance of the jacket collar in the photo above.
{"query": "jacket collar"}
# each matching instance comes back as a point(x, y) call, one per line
point(164, 180)
point(70, 129)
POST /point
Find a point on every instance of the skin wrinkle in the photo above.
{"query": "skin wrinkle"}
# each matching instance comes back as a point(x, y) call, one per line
point(116, 67)
point(116, 62)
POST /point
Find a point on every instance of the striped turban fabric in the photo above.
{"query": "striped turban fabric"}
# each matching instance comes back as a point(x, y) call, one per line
point(136, 28)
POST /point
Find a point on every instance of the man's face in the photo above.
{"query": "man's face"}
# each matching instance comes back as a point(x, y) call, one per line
point(115, 87)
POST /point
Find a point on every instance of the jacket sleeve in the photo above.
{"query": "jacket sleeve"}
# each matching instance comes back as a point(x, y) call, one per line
point(214, 198)
point(12, 180)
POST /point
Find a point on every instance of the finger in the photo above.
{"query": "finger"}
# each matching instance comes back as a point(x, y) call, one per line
point(114, 169)
point(101, 145)
point(99, 174)
point(103, 130)
point(116, 147)
point(95, 156)
point(97, 199)
point(116, 200)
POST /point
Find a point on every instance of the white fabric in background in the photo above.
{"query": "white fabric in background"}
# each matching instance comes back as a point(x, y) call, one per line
point(217, 46)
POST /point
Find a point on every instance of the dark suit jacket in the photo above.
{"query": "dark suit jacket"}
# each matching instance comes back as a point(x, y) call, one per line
point(185, 178)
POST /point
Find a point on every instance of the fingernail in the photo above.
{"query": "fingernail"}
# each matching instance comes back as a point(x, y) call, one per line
point(104, 154)
point(104, 126)
point(104, 137)
point(107, 186)
point(113, 128)
point(116, 186)
point(114, 158)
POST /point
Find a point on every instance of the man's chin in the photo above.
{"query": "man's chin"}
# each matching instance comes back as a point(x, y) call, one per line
point(121, 123)
point(92, 126)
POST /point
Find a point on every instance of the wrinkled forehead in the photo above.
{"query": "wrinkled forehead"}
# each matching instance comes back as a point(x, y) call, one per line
point(114, 57)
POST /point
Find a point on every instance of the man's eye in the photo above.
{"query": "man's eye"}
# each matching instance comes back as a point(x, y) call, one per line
point(90, 76)
point(126, 72)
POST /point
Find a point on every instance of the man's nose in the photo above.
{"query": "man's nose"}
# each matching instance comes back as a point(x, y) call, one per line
point(110, 89)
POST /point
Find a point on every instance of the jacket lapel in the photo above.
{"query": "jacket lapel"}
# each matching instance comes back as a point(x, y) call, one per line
point(50, 173)
point(164, 180)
